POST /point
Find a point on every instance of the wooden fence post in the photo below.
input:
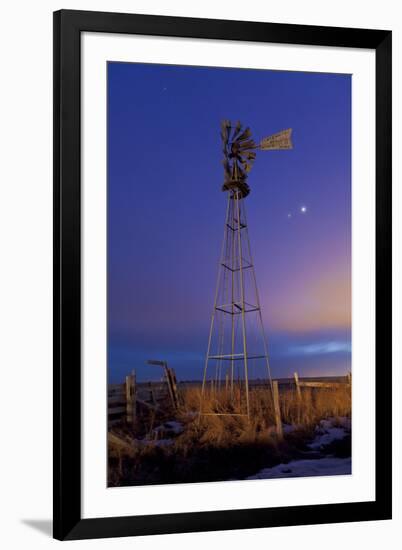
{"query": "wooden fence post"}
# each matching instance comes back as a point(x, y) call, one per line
point(131, 398)
point(298, 390)
point(151, 393)
point(299, 397)
point(277, 410)
point(171, 381)
point(172, 385)
point(349, 377)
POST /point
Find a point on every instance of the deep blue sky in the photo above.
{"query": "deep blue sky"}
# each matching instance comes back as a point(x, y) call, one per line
point(166, 213)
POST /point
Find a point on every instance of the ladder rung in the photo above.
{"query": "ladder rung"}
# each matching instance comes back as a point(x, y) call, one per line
point(236, 357)
point(237, 268)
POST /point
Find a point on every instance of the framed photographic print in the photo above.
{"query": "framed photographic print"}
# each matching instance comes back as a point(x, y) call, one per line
point(222, 274)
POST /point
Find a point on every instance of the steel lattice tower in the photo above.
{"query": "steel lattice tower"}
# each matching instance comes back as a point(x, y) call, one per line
point(237, 351)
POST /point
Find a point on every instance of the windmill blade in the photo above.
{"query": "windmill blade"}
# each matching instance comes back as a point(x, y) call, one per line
point(250, 155)
point(281, 140)
point(242, 173)
point(237, 130)
point(238, 172)
point(224, 143)
point(247, 161)
point(249, 144)
point(224, 136)
point(226, 168)
point(225, 131)
point(247, 156)
point(244, 135)
point(247, 165)
point(225, 123)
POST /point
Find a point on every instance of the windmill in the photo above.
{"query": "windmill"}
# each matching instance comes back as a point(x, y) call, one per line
point(237, 344)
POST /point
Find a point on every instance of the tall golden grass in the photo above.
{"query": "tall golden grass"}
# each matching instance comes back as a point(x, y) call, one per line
point(314, 405)
point(215, 447)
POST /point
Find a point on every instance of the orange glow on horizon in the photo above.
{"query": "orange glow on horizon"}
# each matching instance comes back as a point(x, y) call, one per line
point(315, 305)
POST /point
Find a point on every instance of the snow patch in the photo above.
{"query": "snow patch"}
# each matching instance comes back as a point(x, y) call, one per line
point(174, 426)
point(330, 430)
point(162, 442)
point(289, 428)
point(168, 429)
point(307, 468)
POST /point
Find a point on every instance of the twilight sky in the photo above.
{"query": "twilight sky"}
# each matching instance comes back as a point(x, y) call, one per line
point(166, 214)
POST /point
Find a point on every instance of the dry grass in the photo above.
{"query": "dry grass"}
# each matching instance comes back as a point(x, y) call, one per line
point(212, 448)
point(316, 404)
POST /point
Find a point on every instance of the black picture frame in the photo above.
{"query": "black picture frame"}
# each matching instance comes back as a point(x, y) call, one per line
point(68, 522)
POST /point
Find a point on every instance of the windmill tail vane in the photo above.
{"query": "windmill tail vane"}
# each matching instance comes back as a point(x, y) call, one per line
point(239, 153)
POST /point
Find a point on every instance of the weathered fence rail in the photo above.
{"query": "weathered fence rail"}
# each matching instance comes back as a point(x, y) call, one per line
point(299, 384)
point(125, 400)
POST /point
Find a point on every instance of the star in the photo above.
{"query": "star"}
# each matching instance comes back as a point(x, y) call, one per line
point(303, 209)
point(164, 89)
point(289, 215)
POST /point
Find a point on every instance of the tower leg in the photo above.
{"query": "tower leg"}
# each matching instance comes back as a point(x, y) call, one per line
point(242, 304)
point(264, 338)
point(215, 304)
point(233, 266)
